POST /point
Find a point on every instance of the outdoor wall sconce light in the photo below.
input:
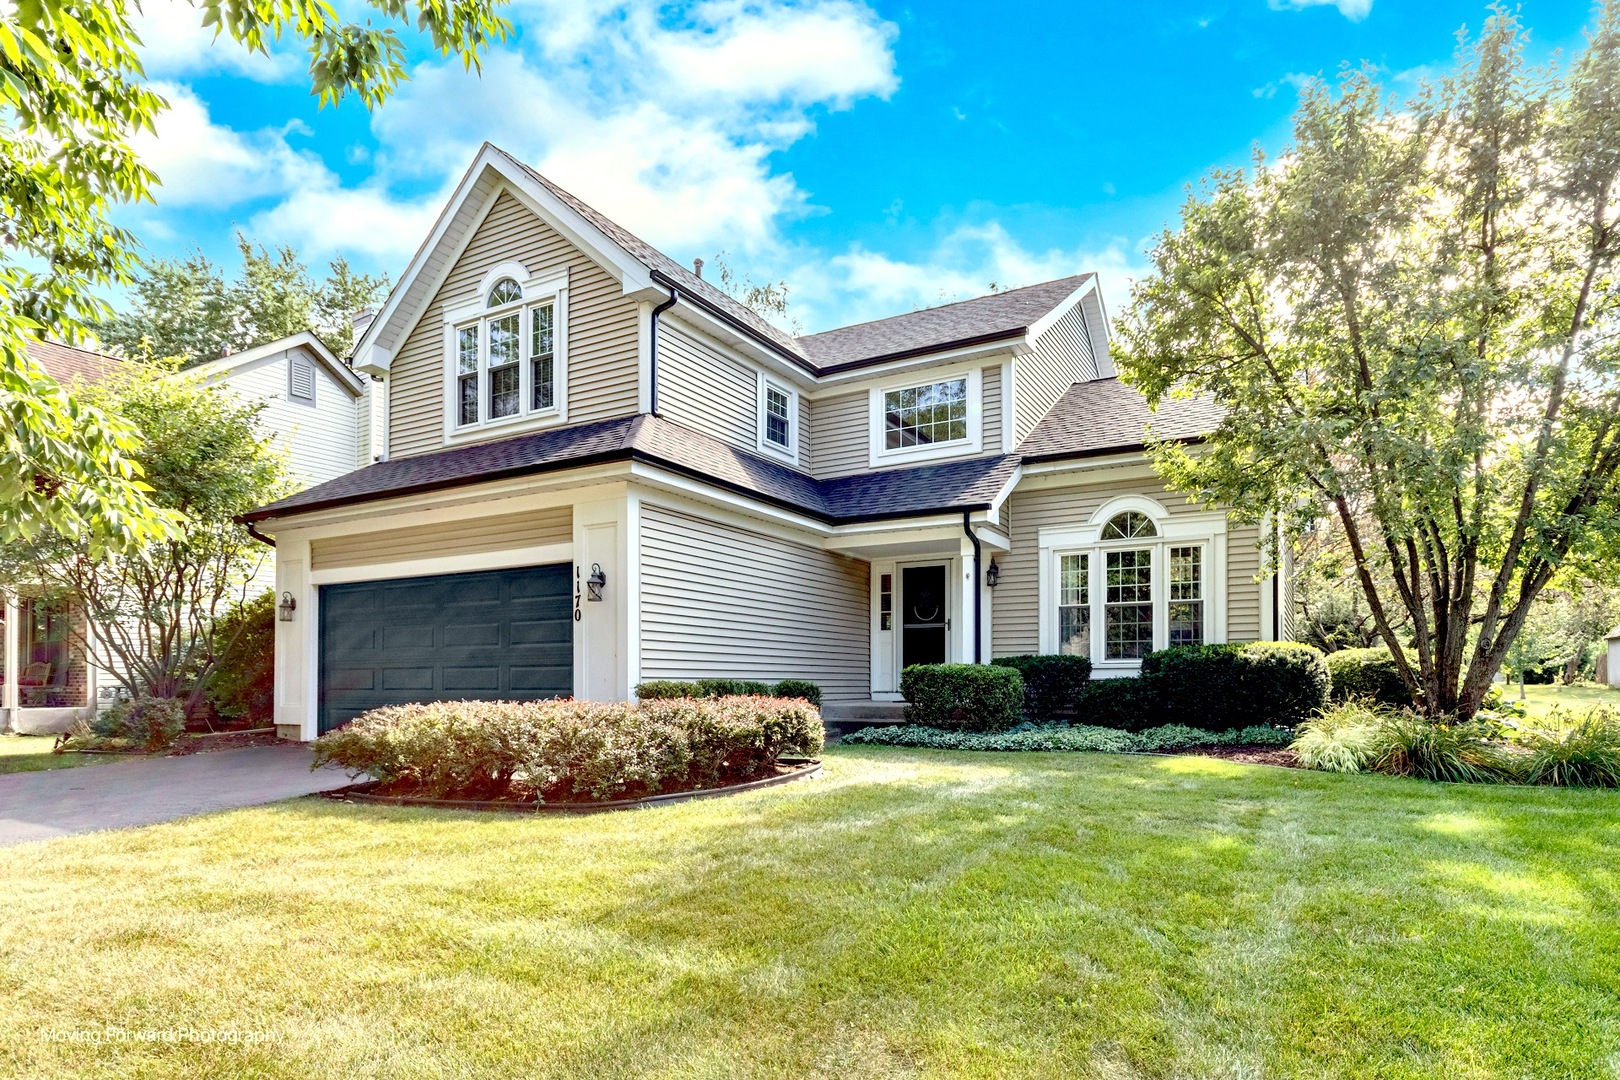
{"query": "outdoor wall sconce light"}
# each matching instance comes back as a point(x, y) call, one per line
point(596, 582)
point(993, 574)
point(285, 609)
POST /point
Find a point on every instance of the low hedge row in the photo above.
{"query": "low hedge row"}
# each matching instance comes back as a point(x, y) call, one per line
point(962, 697)
point(664, 689)
point(1076, 737)
point(1214, 688)
point(1053, 682)
point(571, 750)
point(1368, 674)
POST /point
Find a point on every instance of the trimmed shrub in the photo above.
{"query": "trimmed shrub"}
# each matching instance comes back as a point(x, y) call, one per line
point(1053, 682)
point(803, 689)
point(962, 697)
point(1587, 755)
point(1219, 687)
point(733, 688)
point(658, 689)
point(1076, 737)
point(1129, 704)
point(149, 724)
point(1368, 674)
point(243, 682)
point(570, 750)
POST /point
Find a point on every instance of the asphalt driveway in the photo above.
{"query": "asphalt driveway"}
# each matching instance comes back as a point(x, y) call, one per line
point(40, 805)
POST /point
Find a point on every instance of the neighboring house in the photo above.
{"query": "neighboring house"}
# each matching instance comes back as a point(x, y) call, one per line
point(1610, 659)
point(597, 468)
point(318, 410)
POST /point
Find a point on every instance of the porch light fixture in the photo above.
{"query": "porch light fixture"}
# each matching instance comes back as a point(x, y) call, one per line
point(993, 574)
point(285, 609)
point(596, 582)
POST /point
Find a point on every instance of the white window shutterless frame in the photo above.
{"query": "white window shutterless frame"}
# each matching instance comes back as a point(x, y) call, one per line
point(778, 419)
point(506, 356)
point(926, 415)
point(1108, 599)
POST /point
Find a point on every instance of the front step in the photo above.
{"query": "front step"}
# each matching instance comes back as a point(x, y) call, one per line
point(844, 717)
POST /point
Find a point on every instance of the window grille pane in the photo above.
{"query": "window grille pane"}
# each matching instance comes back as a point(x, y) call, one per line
point(503, 340)
point(467, 349)
point(503, 391)
point(777, 429)
point(1074, 605)
point(542, 357)
point(542, 327)
point(1128, 526)
point(469, 399)
point(545, 383)
point(924, 415)
point(505, 291)
point(1128, 605)
point(1186, 596)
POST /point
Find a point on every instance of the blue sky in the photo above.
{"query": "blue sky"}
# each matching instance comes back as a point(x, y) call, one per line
point(878, 156)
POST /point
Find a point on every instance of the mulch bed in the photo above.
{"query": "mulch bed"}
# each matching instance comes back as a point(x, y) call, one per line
point(234, 740)
point(1247, 755)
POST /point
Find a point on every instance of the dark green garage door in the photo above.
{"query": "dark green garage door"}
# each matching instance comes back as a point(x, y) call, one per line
point(495, 635)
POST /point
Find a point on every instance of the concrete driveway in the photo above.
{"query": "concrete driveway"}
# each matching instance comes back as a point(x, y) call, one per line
point(40, 805)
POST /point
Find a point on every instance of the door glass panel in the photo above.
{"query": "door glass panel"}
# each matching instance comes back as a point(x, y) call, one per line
point(923, 606)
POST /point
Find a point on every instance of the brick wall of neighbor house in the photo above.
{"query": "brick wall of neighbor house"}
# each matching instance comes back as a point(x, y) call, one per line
point(717, 600)
point(1015, 619)
point(843, 423)
point(602, 331)
point(1060, 358)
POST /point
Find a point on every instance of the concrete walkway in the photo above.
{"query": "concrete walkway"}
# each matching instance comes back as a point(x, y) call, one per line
point(40, 805)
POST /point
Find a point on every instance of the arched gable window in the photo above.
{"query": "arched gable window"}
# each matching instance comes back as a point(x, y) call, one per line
point(506, 291)
point(1128, 526)
point(507, 357)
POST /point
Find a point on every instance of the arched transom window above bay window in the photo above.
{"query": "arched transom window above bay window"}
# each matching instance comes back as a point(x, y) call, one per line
point(1127, 525)
point(507, 353)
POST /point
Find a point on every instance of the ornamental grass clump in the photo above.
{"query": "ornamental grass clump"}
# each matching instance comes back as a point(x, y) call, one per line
point(1462, 752)
point(1585, 755)
point(1339, 739)
point(571, 750)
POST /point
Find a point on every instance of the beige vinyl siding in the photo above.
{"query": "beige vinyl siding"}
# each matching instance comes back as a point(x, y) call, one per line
point(1242, 590)
point(990, 427)
point(1059, 358)
point(702, 388)
point(841, 443)
point(805, 431)
point(1015, 608)
point(602, 331)
point(721, 601)
point(505, 532)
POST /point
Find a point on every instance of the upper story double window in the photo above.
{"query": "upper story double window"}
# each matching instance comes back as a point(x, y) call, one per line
point(922, 418)
point(507, 355)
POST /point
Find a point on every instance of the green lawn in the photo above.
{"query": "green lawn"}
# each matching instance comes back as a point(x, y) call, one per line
point(913, 914)
point(32, 753)
point(1540, 700)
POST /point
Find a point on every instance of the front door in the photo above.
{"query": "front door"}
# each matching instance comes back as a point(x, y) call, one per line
point(924, 618)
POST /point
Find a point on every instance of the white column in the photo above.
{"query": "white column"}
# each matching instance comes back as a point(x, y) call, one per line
point(297, 669)
point(602, 652)
point(8, 694)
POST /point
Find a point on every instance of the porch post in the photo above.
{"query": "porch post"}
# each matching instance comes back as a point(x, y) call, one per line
point(13, 669)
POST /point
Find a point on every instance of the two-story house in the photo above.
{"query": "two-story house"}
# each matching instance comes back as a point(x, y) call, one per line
point(315, 408)
point(597, 468)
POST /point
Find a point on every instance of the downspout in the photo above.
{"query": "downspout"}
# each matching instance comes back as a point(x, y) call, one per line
point(253, 531)
point(652, 350)
point(978, 576)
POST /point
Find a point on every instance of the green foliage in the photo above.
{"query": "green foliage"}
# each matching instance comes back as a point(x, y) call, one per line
point(1585, 755)
point(659, 689)
point(1052, 683)
point(1339, 739)
point(243, 682)
point(1218, 687)
point(733, 687)
point(1129, 703)
point(1060, 737)
point(962, 697)
point(153, 610)
point(74, 97)
point(570, 750)
point(1369, 674)
point(1465, 751)
point(144, 724)
point(184, 307)
point(1409, 319)
point(798, 688)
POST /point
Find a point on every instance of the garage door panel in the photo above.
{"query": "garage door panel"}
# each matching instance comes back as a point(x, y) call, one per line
point(486, 635)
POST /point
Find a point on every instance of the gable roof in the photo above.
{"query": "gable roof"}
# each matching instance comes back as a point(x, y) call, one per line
point(640, 266)
point(223, 366)
point(68, 363)
point(966, 322)
point(1106, 416)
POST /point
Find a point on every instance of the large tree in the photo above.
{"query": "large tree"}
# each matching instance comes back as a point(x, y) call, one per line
point(72, 97)
point(1410, 316)
point(153, 612)
point(185, 307)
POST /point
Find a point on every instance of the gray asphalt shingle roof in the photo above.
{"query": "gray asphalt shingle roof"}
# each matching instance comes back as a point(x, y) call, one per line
point(1093, 417)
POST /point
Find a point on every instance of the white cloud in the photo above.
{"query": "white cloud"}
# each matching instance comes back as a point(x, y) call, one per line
point(201, 163)
point(175, 43)
point(1354, 10)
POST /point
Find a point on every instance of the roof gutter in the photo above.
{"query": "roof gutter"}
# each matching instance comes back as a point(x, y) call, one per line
point(652, 350)
point(705, 305)
point(253, 531)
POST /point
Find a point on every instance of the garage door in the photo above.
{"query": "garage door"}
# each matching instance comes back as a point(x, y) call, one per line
point(495, 635)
